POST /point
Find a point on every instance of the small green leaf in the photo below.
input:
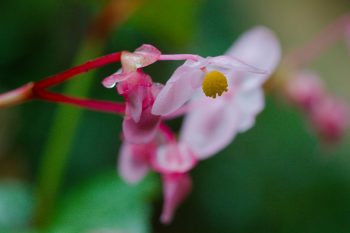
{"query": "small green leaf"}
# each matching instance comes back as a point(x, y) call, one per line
point(15, 206)
point(107, 204)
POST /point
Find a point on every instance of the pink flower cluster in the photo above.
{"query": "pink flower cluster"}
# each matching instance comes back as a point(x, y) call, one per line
point(210, 124)
point(328, 115)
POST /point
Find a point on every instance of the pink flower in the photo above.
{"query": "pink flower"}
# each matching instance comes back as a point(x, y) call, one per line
point(211, 124)
point(139, 125)
point(214, 74)
point(329, 116)
point(131, 62)
point(133, 162)
point(174, 161)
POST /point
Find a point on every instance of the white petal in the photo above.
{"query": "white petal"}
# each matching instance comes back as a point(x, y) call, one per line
point(248, 104)
point(260, 48)
point(178, 90)
point(209, 127)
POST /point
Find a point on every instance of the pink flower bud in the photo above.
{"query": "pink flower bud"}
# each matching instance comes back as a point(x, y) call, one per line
point(305, 90)
point(330, 118)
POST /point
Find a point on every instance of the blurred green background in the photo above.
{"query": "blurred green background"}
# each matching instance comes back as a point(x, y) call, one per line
point(276, 177)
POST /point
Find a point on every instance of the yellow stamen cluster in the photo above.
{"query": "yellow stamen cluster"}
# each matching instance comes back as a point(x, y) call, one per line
point(214, 83)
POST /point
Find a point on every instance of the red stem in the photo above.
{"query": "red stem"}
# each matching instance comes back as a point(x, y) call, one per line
point(96, 105)
point(93, 64)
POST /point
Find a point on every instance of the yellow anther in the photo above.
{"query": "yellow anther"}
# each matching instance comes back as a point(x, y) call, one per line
point(214, 83)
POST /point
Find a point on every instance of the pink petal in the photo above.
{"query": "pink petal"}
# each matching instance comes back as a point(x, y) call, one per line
point(260, 48)
point(150, 54)
point(232, 63)
point(209, 127)
point(173, 158)
point(134, 102)
point(179, 89)
point(175, 190)
point(136, 78)
point(248, 103)
point(143, 56)
point(133, 161)
point(142, 131)
point(113, 79)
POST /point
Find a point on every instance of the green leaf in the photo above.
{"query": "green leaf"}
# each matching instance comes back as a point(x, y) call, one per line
point(106, 203)
point(173, 21)
point(15, 206)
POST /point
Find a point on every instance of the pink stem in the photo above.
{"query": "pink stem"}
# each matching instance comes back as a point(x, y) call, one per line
point(330, 35)
point(168, 133)
point(172, 57)
point(93, 64)
point(96, 105)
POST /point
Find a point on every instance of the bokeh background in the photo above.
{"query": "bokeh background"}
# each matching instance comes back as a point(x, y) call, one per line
point(58, 163)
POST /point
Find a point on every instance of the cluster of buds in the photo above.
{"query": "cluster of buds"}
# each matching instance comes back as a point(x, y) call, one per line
point(218, 97)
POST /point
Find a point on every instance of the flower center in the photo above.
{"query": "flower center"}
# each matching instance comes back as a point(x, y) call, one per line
point(214, 83)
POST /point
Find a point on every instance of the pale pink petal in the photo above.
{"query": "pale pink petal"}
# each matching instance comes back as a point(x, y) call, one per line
point(232, 63)
point(260, 48)
point(173, 158)
point(136, 78)
point(248, 104)
point(175, 189)
point(143, 56)
point(150, 54)
point(209, 127)
point(134, 102)
point(113, 79)
point(142, 131)
point(133, 162)
point(178, 90)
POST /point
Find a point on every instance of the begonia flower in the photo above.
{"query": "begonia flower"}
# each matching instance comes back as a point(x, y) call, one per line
point(174, 161)
point(139, 91)
point(214, 74)
point(212, 124)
